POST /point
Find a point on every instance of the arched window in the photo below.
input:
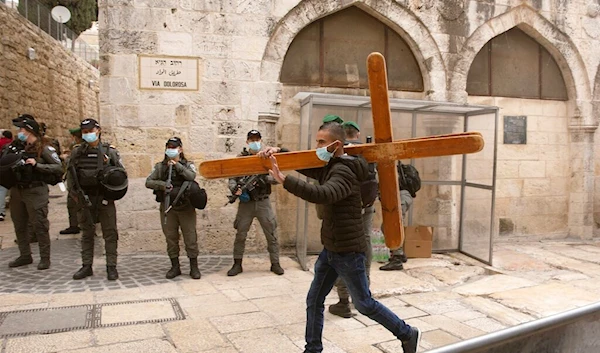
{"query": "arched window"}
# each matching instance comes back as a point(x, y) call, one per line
point(515, 65)
point(332, 52)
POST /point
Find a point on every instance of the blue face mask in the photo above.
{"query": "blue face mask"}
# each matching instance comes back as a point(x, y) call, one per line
point(172, 152)
point(22, 136)
point(323, 154)
point(254, 145)
point(90, 137)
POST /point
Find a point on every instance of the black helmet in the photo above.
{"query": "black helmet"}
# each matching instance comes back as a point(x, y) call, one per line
point(8, 178)
point(114, 180)
point(197, 196)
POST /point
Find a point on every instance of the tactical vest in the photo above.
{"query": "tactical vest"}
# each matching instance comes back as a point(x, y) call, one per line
point(263, 188)
point(86, 164)
point(177, 181)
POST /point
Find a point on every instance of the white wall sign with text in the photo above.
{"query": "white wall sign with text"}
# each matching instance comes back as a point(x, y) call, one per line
point(168, 73)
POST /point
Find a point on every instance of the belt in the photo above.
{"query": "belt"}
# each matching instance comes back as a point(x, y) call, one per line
point(33, 184)
point(260, 198)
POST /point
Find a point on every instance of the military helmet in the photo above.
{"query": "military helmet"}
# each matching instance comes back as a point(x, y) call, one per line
point(8, 177)
point(114, 180)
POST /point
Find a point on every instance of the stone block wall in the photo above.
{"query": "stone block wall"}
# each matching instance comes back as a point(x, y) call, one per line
point(57, 87)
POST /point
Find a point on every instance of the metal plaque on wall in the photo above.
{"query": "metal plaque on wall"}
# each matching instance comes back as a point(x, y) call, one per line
point(515, 130)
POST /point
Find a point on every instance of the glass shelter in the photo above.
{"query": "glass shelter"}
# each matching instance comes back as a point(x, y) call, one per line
point(457, 193)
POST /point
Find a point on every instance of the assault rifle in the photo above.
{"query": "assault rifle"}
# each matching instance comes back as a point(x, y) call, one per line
point(247, 184)
point(168, 188)
point(82, 196)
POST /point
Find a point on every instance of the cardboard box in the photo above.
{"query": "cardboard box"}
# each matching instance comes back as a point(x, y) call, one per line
point(418, 241)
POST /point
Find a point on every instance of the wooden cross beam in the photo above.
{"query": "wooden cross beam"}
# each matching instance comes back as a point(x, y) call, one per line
point(385, 152)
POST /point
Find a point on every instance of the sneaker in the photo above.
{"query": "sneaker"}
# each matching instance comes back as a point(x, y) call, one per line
point(412, 345)
point(395, 264)
point(341, 309)
point(2, 216)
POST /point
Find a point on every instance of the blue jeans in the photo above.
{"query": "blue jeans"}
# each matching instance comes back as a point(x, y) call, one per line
point(351, 268)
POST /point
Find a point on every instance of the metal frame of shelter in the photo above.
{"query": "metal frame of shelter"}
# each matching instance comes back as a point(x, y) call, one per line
point(469, 240)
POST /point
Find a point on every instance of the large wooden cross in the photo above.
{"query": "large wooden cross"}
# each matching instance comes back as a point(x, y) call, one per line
point(385, 152)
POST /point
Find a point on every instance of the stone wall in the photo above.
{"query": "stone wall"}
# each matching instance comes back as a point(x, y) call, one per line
point(241, 47)
point(57, 87)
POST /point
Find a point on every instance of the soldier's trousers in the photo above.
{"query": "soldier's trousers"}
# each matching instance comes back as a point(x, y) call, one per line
point(186, 220)
point(367, 221)
point(107, 216)
point(73, 208)
point(29, 210)
point(262, 210)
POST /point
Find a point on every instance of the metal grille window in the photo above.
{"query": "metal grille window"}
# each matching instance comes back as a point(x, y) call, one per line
point(515, 65)
point(332, 52)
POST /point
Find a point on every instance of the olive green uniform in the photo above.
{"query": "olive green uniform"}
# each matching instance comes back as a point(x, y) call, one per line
point(259, 206)
point(72, 205)
point(182, 215)
point(29, 201)
point(102, 211)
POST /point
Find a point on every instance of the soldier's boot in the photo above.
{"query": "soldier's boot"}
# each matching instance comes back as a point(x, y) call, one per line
point(44, 263)
point(341, 309)
point(395, 264)
point(194, 270)
point(71, 230)
point(111, 273)
point(236, 269)
point(21, 261)
point(276, 268)
point(84, 271)
point(403, 257)
point(175, 269)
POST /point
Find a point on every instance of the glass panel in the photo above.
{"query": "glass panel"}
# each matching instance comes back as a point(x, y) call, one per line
point(515, 65)
point(553, 85)
point(301, 63)
point(438, 206)
point(480, 165)
point(403, 71)
point(479, 74)
point(476, 231)
point(349, 36)
point(302, 206)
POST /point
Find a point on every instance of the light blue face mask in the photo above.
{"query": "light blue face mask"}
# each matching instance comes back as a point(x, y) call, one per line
point(254, 145)
point(22, 136)
point(172, 152)
point(323, 154)
point(90, 137)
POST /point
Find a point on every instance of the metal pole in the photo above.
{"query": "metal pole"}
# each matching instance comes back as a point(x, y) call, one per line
point(463, 180)
point(493, 216)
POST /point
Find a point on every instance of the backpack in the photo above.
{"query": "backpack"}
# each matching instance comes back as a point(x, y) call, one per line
point(369, 188)
point(408, 178)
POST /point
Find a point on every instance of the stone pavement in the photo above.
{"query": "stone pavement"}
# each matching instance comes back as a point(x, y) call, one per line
point(450, 297)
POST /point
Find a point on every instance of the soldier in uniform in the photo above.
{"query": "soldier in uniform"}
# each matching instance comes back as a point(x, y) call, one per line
point(71, 204)
point(254, 204)
point(181, 215)
point(39, 166)
point(89, 160)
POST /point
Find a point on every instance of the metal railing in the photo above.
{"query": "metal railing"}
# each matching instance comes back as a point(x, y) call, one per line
point(569, 332)
point(40, 15)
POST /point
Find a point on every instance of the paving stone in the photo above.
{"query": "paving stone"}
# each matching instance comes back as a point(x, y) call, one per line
point(546, 299)
point(119, 334)
point(262, 292)
point(347, 324)
point(464, 315)
point(253, 341)
point(437, 338)
point(452, 326)
point(283, 310)
point(49, 343)
point(195, 336)
point(129, 313)
point(498, 311)
point(449, 275)
point(485, 324)
point(242, 322)
point(407, 312)
point(41, 321)
point(198, 307)
point(515, 261)
point(146, 346)
point(441, 307)
point(493, 284)
point(422, 325)
point(392, 283)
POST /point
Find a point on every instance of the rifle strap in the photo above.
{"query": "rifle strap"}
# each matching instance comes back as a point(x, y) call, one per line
point(181, 191)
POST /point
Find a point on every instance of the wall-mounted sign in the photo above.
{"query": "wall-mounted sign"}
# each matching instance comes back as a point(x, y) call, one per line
point(168, 73)
point(515, 130)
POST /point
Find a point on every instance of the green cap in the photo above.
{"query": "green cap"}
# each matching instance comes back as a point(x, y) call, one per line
point(75, 130)
point(330, 118)
point(351, 123)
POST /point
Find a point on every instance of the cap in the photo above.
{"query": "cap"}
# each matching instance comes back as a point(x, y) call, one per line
point(252, 133)
point(330, 118)
point(27, 121)
point(174, 142)
point(89, 124)
point(351, 123)
point(74, 131)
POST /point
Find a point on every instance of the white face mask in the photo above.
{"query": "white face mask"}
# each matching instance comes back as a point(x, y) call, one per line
point(172, 152)
point(323, 154)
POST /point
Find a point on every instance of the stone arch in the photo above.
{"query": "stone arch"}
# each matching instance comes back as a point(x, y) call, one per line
point(401, 20)
point(544, 32)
